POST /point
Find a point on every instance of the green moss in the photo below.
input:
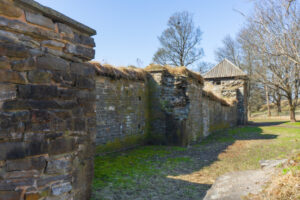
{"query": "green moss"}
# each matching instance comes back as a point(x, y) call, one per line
point(121, 144)
point(216, 127)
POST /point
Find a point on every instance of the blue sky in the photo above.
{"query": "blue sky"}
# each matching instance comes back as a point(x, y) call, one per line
point(127, 30)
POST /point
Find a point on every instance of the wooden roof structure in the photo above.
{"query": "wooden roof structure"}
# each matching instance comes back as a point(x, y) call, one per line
point(225, 69)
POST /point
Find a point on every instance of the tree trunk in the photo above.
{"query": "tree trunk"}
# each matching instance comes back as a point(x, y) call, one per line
point(292, 110)
point(278, 107)
point(268, 101)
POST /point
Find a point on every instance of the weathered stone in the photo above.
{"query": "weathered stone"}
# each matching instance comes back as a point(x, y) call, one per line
point(52, 63)
point(11, 77)
point(79, 124)
point(39, 76)
point(58, 166)
point(29, 104)
point(37, 91)
point(7, 92)
point(4, 63)
point(9, 9)
point(37, 163)
point(65, 29)
point(23, 65)
point(64, 78)
point(10, 195)
point(32, 196)
point(80, 51)
point(13, 50)
point(58, 189)
point(39, 20)
point(18, 26)
point(53, 43)
point(47, 180)
point(85, 40)
point(84, 82)
point(82, 69)
point(61, 145)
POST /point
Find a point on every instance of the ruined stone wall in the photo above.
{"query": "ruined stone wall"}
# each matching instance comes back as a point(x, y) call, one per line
point(180, 112)
point(235, 88)
point(121, 113)
point(47, 104)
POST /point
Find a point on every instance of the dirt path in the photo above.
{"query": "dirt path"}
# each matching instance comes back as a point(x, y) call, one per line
point(236, 185)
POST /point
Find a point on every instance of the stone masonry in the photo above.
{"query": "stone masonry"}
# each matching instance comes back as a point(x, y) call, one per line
point(47, 104)
point(58, 109)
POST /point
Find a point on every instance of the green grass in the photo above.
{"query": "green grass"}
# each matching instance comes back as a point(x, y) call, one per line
point(293, 123)
point(136, 169)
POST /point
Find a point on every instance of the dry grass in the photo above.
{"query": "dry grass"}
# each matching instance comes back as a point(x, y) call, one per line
point(284, 185)
point(214, 97)
point(183, 71)
point(129, 73)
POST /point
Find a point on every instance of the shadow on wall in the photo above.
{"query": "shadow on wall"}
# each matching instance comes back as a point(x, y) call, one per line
point(169, 176)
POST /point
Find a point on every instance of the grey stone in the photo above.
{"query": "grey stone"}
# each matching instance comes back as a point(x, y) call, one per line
point(58, 189)
point(52, 63)
point(80, 51)
point(39, 20)
point(53, 43)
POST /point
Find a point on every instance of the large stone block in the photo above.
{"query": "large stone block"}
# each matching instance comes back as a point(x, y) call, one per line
point(8, 76)
point(13, 50)
point(4, 63)
point(80, 51)
point(35, 163)
point(39, 20)
point(23, 65)
point(7, 92)
point(37, 91)
point(52, 63)
point(39, 76)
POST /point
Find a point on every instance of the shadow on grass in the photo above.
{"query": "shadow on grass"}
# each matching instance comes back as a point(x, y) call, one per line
point(148, 169)
point(254, 123)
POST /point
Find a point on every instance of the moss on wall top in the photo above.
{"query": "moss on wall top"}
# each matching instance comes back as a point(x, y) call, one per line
point(213, 97)
point(128, 73)
point(176, 71)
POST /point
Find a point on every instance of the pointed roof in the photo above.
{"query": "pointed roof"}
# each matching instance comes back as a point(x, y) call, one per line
point(224, 69)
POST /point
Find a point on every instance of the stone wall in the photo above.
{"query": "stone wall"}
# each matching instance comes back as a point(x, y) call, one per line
point(47, 104)
point(121, 113)
point(181, 112)
point(235, 87)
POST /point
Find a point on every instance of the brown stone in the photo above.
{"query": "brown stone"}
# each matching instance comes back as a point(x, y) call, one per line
point(4, 63)
point(9, 9)
point(82, 69)
point(9, 76)
point(13, 50)
point(10, 195)
point(23, 65)
point(39, 20)
point(7, 92)
point(32, 196)
point(39, 76)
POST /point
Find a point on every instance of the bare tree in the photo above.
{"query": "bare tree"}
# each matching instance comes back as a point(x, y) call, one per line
point(230, 50)
point(204, 67)
point(180, 42)
point(274, 35)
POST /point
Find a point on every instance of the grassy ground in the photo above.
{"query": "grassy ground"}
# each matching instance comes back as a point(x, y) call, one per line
point(160, 172)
